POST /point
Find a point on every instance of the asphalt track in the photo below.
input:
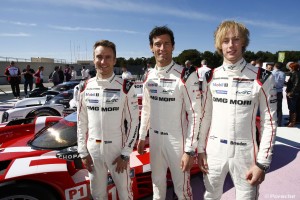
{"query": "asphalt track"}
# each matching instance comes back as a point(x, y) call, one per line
point(282, 181)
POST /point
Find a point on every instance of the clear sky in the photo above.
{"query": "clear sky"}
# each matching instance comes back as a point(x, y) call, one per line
point(67, 29)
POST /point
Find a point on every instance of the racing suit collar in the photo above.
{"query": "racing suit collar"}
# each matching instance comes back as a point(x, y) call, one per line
point(163, 71)
point(106, 79)
point(238, 66)
point(165, 68)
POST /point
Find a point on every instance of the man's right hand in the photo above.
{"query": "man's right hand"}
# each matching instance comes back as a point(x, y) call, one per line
point(141, 147)
point(202, 162)
point(88, 163)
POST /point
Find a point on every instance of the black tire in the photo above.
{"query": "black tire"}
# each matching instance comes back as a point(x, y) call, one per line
point(26, 192)
point(43, 112)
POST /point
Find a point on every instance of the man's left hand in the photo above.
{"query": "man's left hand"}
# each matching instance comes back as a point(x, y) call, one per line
point(186, 162)
point(255, 175)
point(121, 164)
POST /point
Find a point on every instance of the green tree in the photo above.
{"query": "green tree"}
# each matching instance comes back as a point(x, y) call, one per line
point(121, 62)
point(249, 56)
point(191, 54)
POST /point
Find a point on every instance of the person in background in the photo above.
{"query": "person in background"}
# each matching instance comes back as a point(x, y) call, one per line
point(61, 74)
point(28, 76)
point(253, 62)
point(13, 75)
point(231, 96)
point(269, 67)
point(201, 72)
point(146, 70)
point(279, 83)
point(39, 78)
point(126, 74)
point(259, 63)
point(103, 142)
point(171, 114)
point(55, 76)
point(188, 64)
point(73, 73)
point(68, 73)
point(293, 92)
point(85, 73)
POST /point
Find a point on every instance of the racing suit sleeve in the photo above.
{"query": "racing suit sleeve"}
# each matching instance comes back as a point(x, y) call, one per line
point(192, 100)
point(131, 109)
point(268, 117)
point(206, 115)
point(82, 126)
point(145, 114)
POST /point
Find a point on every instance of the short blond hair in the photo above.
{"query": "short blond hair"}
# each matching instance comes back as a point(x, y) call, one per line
point(224, 27)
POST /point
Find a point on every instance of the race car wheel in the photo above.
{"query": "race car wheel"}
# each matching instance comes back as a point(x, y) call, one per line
point(42, 112)
point(26, 192)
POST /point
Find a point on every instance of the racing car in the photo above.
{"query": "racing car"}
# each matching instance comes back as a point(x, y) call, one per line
point(37, 108)
point(40, 106)
point(44, 164)
point(37, 92)
point(63, 98)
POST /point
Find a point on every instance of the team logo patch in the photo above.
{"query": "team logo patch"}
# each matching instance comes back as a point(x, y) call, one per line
point(153, 91)
point(93, 101)
point(220, 84)
point(89, 94)
point(167, 91)
point(223, 141)
point(167, 83)
point(221, 91)
point(152, 84)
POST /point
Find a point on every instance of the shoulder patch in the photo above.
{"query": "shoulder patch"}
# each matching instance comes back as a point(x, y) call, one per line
point(209, 75)
point(185, 74)
point(263, 75)
point(127, 84)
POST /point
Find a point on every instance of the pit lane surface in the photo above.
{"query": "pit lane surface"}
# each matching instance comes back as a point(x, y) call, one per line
point(282, 181)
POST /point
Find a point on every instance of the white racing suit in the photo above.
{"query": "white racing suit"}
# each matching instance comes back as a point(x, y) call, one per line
point(171, 113)
point(103, 106)
point(232, 95)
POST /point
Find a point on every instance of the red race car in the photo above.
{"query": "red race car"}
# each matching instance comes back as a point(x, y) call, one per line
point(39, 160)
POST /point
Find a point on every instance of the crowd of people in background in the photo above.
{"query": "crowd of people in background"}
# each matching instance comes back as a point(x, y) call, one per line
point(292, 89)
point(57, 76)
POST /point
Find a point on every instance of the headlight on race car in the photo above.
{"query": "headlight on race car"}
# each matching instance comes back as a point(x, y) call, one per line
point(5, 117)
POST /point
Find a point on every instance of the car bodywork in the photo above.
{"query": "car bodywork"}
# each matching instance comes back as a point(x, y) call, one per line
point(28, 102)
point(46, 162)
point(32, 111)
point(63, 98)
point(55, 89)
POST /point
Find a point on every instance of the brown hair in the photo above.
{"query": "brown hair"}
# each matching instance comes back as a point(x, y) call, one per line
point(294, 66)
point(105, 43)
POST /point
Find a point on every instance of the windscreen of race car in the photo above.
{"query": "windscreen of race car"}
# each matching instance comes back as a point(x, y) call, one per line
point(59, 136)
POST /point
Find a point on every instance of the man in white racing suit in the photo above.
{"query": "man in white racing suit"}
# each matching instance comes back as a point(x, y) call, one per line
point(232, 94)
point(202, 70)
point(171, 103)
point(103, 143)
